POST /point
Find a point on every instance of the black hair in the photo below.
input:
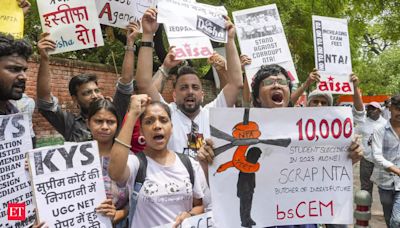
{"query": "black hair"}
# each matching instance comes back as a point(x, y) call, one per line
point(105, 104)
point(183, 70)
point(253, 154)
point(263, 73)
point(10, 46)
point(162, 105)
point(79, 80)
point(395, 100)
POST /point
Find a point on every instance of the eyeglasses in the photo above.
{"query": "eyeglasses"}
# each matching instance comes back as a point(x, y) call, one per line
point(279, 81)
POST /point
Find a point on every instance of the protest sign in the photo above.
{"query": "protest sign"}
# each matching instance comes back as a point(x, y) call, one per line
point(332, 54)
point(73, 24)
point(15, 141)
point(11, 18)
point(191, 47)
point(189, 43)
point(262, 38)
point(115, 13)
point(281, 166)
point(204, 220)
point(68, 185)
point(207, 19)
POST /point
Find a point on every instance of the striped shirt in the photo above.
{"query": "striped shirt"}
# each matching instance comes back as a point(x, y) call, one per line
point(386, 153)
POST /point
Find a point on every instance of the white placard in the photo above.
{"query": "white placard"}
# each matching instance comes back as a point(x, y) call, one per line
point(261, 37)
point(189, 43)
point(15, 141)
point(116, 13)
point(73, 24)
point(191, 47)
point(205, 18)
point(288, 165)
point(68, 185)
point(332, 54)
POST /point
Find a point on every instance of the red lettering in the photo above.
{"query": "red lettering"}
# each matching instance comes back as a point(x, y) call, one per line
point(290, 213)
point(324, 124)
point(330, 204)
point(310, 133)
point(106, 9)
point(347, 130)
point(205, 51)
point(323, 86)
point(346, 87)
point(300, 127)
point(336, 131)
point(310, 208)
point(303, 209)
point(297, 210)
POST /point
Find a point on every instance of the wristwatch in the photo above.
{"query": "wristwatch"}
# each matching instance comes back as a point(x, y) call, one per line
point(147, 44)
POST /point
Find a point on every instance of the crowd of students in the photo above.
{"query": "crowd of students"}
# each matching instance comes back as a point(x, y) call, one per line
point(134, 180)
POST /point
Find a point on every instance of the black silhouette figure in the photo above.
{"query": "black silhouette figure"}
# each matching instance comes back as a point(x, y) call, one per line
point(245, 188)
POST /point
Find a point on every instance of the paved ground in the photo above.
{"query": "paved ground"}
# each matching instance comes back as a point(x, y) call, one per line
point(377, 220)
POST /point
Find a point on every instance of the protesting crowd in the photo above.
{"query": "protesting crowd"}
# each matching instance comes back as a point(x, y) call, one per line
point(171, 177)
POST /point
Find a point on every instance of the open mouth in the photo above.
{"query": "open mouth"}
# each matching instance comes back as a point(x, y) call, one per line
point(190, 100)
point(277, 97)
point(158, 137)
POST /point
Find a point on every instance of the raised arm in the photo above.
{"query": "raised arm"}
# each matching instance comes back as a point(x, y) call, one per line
point(25, 5)
point(245, 60)
point(118, 168)
point(313, 77)
point(128, 66)
point(43, 88)
point(235, 80)
point(163, 71)
point(144, 70)
point(357, 100)
point(219, 63)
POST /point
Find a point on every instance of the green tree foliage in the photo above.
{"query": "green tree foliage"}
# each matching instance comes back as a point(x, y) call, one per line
point(381, 75)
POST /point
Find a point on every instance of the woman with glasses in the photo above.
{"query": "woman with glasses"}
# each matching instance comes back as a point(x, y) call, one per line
point(167, 194)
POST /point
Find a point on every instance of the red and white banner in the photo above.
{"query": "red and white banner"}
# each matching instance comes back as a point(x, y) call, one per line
point(332, 54)
point(73, 24)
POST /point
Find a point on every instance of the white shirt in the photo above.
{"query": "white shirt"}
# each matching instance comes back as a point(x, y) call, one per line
point(365, 127)
point(182, 125)
point(386, 153)
point(166, 191)
point(181, 128)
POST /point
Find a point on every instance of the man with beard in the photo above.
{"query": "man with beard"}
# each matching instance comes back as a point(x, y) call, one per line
point(190, 120)
point(13, 65)
point(83, 89)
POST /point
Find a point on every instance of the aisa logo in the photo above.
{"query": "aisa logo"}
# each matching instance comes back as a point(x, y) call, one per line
point(334, 86)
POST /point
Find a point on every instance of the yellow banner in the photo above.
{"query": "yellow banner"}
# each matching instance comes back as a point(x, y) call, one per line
point(11, 18)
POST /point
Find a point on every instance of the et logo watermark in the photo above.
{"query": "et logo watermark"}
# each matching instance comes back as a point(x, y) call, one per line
point(16, 211)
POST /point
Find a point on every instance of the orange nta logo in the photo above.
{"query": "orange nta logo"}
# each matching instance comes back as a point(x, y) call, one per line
point(16, 211)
